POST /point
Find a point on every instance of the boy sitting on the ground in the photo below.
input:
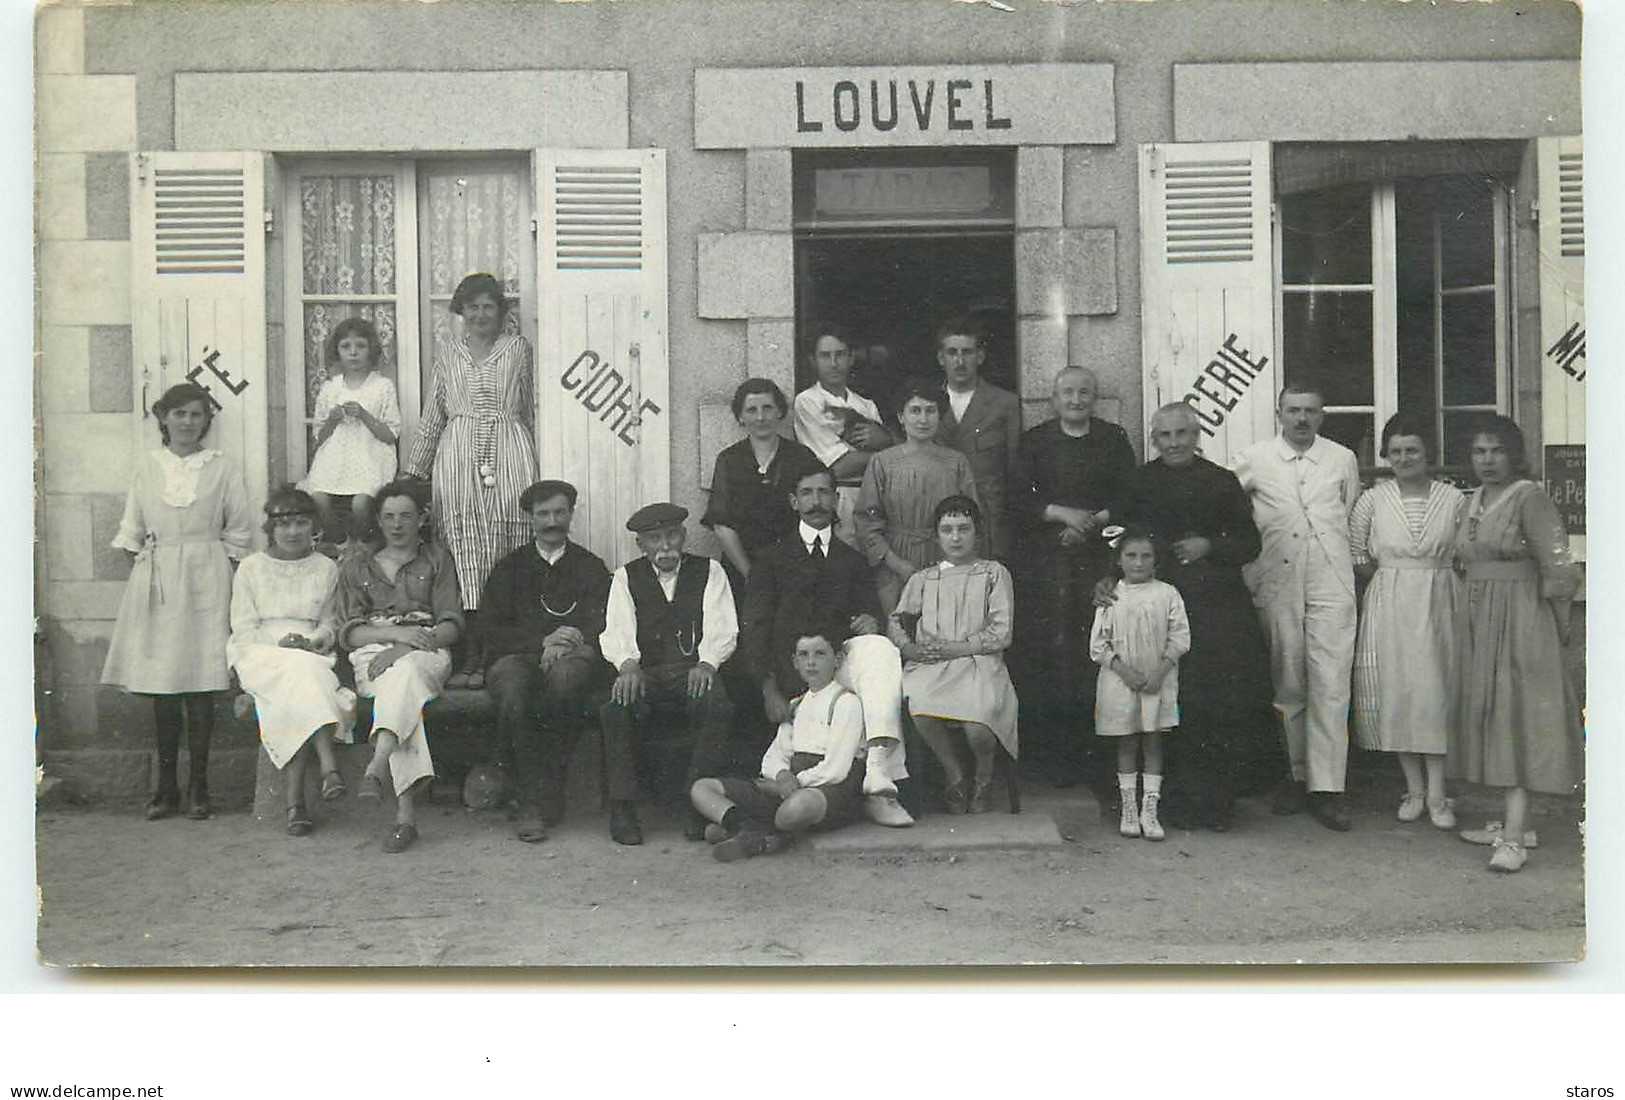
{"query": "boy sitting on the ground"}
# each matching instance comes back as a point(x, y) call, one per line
point(812, 773)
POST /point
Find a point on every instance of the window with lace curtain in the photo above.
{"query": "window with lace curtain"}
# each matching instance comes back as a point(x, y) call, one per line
point(389, 240)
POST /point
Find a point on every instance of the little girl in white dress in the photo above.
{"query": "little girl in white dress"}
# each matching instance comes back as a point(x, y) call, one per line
point(1138, 642)
point(358, 418)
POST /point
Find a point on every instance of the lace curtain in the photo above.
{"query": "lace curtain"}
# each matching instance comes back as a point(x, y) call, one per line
point(347, 236)
point(476, 222)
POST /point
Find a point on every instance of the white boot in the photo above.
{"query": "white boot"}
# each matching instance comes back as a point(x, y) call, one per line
point(1129, 823)
point(1150, 827)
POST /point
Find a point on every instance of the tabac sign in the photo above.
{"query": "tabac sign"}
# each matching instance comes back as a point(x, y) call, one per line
point(839, 107)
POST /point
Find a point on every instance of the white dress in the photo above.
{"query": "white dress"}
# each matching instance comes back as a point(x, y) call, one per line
point(295, 691)
point(1145, 625)
point(352, 459)
point(183, 519)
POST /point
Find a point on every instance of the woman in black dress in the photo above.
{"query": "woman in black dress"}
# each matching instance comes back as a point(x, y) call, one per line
point(1228, 742)
point(749, 509)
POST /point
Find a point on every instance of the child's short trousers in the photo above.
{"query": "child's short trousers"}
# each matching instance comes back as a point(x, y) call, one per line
point(758, 800)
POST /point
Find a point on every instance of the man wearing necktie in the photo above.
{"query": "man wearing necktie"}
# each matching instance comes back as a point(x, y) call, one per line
point(809, 582)
point(1302, 487)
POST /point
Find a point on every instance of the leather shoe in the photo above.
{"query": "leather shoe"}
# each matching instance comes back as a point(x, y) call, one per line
point(400, 838)
point(694, 826)
point(623, 823)
point(1288, 797)
point(1328, 808)
point(162, 806)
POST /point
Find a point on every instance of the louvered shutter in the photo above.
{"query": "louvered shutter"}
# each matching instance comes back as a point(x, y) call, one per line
point(1561, 172)
point(197, 234)
point(602, 380)
point(1207, 273)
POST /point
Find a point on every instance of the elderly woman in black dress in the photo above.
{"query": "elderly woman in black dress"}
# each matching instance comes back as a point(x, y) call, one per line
point(753, 481)
point(1203, 525)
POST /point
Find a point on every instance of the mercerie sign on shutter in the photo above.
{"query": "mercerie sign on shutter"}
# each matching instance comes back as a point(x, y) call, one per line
point(839, 107)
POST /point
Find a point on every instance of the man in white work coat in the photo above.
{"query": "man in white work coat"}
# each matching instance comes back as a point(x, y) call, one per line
point(1302, 487)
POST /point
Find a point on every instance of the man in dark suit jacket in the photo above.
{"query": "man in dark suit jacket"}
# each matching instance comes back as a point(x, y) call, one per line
point(983, 422)
point(811, 581)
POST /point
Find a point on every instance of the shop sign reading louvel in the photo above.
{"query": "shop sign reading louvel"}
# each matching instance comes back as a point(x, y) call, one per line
point(838, 107)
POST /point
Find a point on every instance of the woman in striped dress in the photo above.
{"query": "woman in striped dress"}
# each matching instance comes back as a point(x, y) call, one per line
point(1406, 669)
point(475, 437)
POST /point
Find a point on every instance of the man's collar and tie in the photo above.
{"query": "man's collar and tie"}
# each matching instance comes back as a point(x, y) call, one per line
point(815, 539)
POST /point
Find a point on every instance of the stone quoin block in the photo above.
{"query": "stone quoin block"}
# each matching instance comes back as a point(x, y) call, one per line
point(60, 190)
point(1066, 272)
point(1038, 187)
point(68, 538)
point(86, 114)
point(85, 282)
point(63, 368)
point(767, 189)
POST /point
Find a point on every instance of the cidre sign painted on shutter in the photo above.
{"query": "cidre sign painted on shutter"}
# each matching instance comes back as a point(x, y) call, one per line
point(1052, 104)
point(606, 392)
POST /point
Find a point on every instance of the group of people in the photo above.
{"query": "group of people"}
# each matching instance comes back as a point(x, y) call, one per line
point(1194, 618)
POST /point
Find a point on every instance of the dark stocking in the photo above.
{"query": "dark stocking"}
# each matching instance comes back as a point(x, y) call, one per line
point(199, 728)
point(166, 711)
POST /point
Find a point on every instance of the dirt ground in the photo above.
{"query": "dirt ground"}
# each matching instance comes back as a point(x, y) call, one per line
point(118, 891)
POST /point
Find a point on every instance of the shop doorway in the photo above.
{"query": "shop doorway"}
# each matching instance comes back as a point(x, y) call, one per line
point(891, 245)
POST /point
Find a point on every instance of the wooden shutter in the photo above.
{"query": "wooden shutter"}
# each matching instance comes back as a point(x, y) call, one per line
point(197, 233)
point(604, 412)
point(1207, 271)
point(1561, 171)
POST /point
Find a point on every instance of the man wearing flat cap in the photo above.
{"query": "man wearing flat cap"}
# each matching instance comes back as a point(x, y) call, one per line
point(543, 612)
point(670, 625)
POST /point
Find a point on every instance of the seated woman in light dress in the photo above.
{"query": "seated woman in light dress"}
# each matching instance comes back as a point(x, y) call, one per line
point(952, 626)
point(284, 625)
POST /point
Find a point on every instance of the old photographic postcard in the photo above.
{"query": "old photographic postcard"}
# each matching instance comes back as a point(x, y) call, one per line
point(1186, 403)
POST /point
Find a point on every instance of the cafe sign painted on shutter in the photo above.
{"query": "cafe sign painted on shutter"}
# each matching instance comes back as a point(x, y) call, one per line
point(840, 107)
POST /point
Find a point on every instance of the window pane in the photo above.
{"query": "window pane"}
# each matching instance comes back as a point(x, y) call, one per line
point(348, 234)
point(1459, 428)
point(1468, 330)
point(1328, 344)
point(1356, 431)
point(1326, 237)
point(320, 318)
point(477, 220)
point(1466, 234)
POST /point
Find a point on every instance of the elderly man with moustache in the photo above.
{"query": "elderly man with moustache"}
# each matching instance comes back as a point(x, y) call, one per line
point(544, 610)
point(809, 582)
point(669, 626)
point(1302, 487)
point(1074, 466)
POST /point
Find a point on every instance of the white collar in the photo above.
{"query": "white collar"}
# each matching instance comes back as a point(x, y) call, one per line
point(1288, 452)
point(550, 557)
point(809, 534)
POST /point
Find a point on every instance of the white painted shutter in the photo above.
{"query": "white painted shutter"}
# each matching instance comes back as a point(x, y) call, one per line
point(1207, 279)
point(602, 386)
point(1561, 172)
point(197, 232)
